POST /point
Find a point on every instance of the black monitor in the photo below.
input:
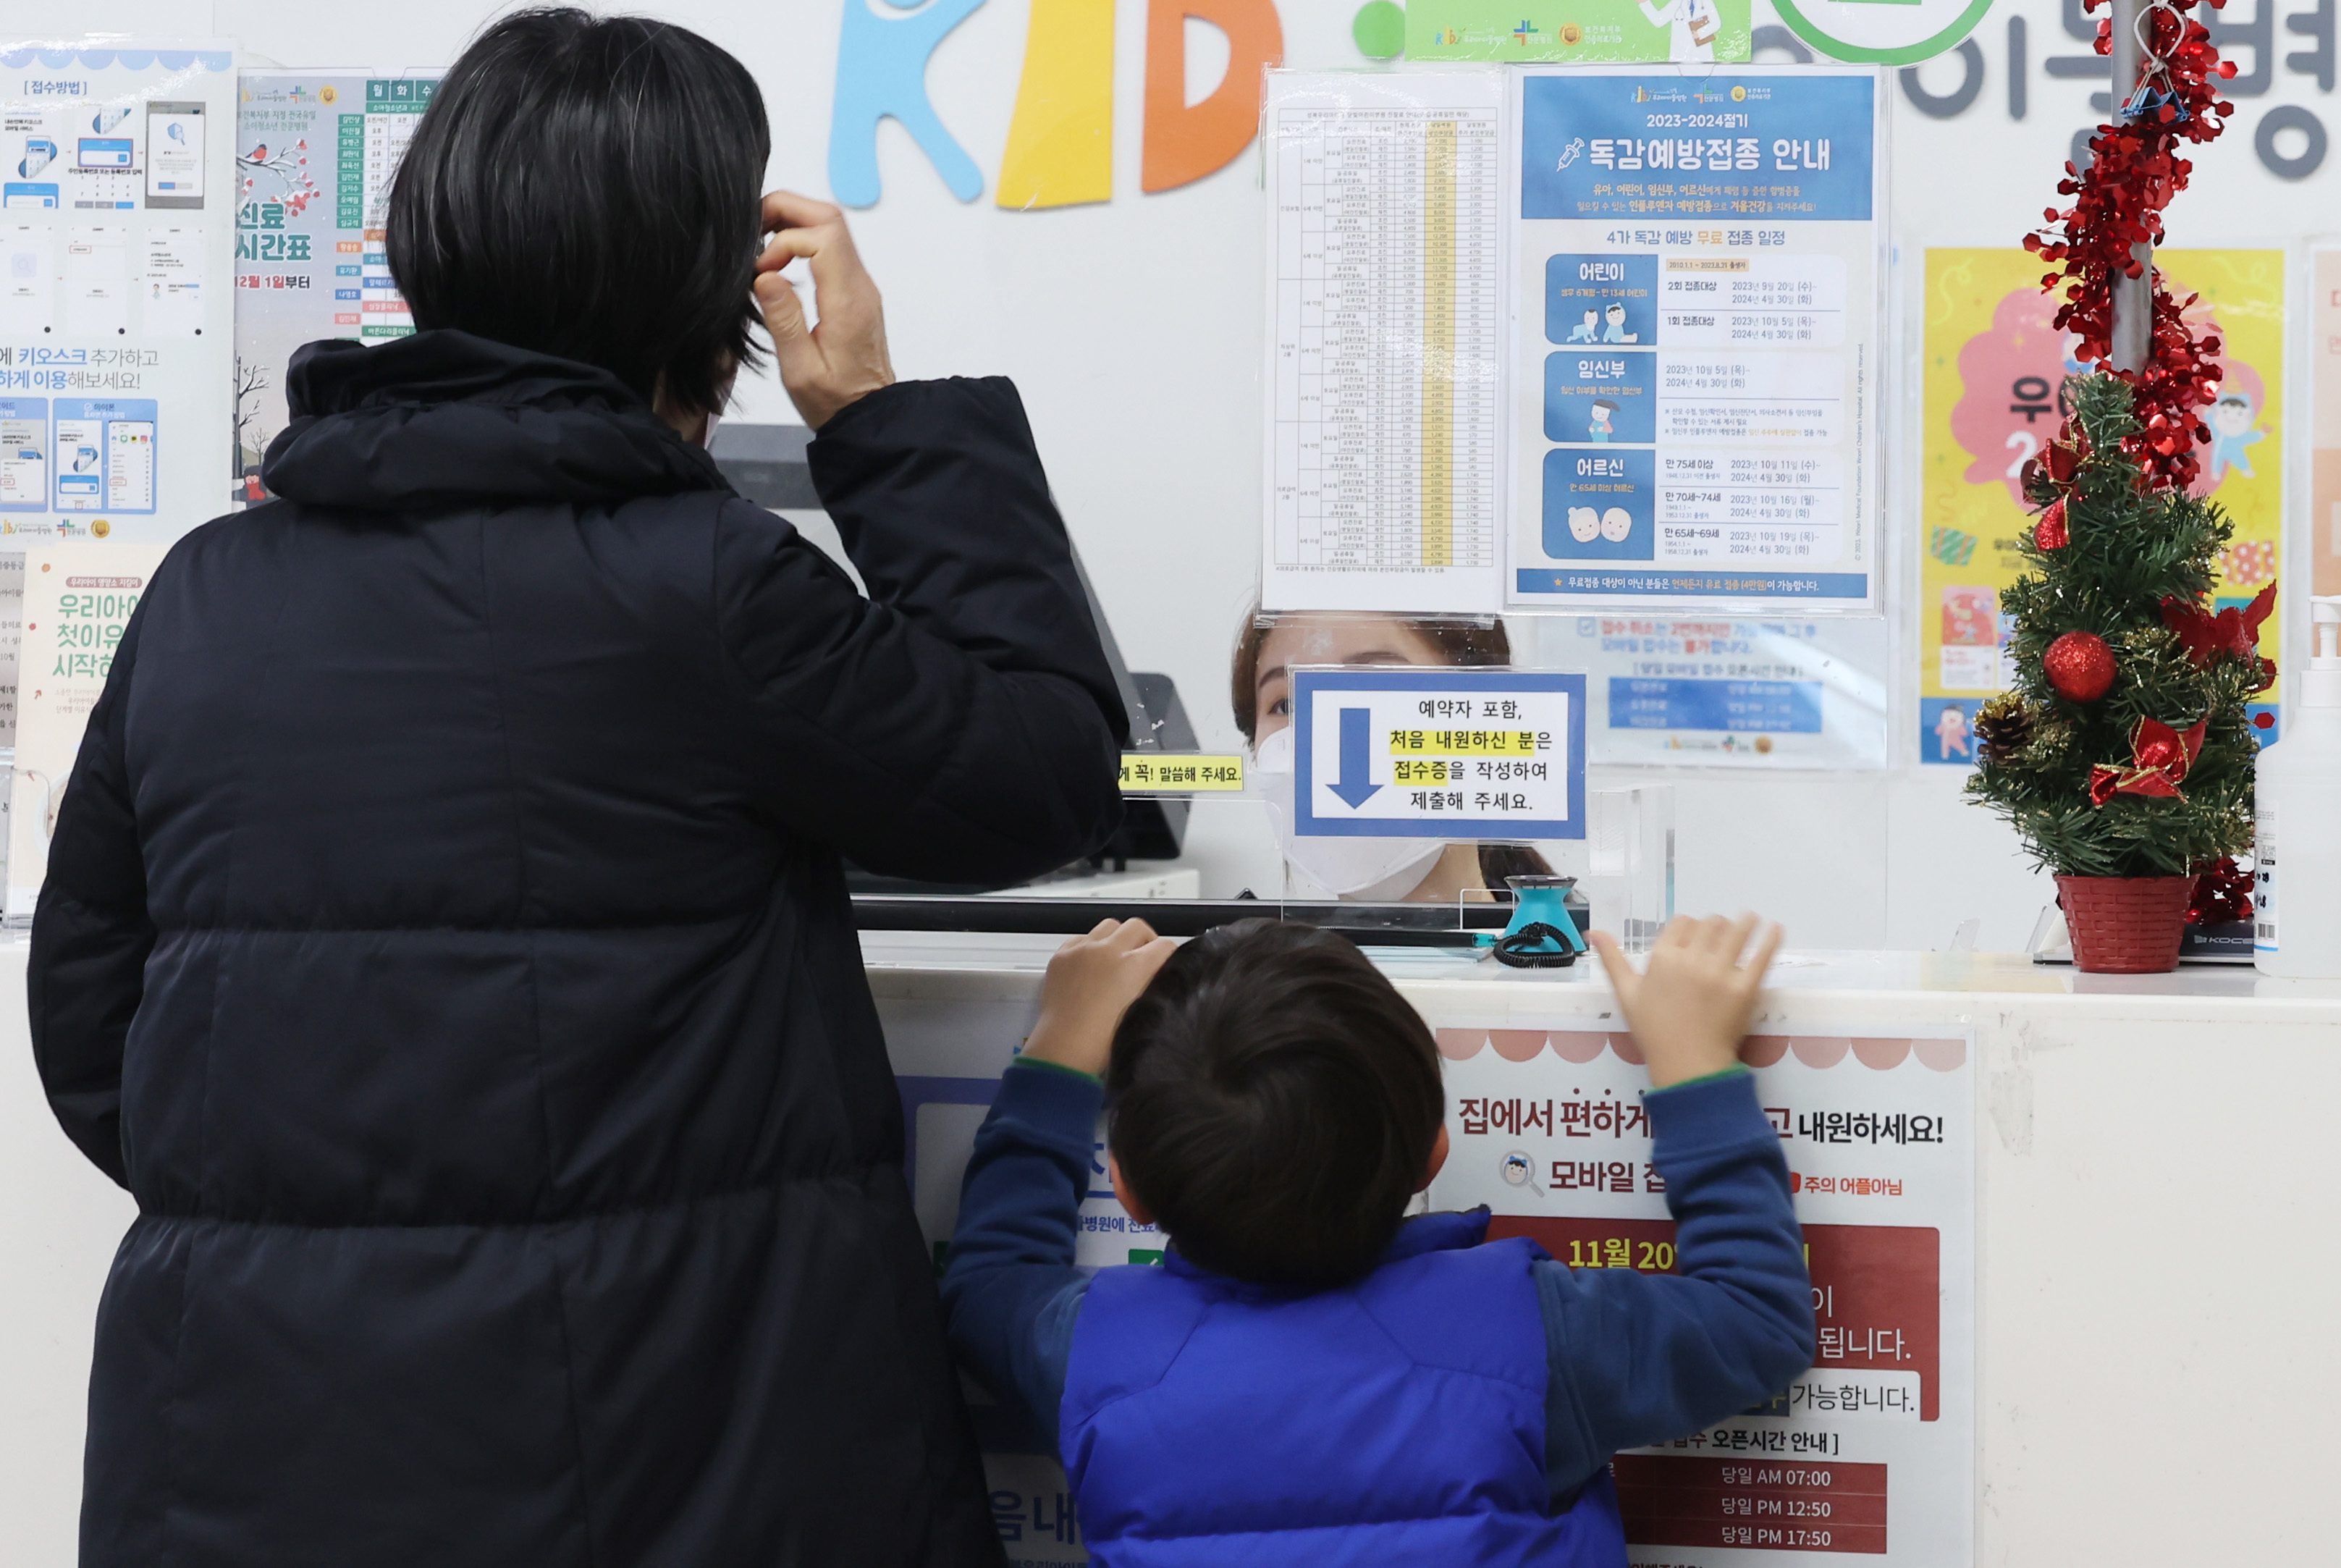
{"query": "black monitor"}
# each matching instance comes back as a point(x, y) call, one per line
point(766, 465)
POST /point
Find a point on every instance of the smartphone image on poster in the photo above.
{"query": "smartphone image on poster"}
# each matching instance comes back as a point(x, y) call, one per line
point(174, 155)
point(130, 465)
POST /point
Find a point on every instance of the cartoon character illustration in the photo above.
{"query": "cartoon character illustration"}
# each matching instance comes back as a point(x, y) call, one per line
point(1970, 616)
point(1584, 525)
point(882, 71)
point(1618, 332)
point(1693, 26)
point(1601, 426)
point(1951, 732)
point(2231, 421)
point(1616, 523)
point(1583, 332)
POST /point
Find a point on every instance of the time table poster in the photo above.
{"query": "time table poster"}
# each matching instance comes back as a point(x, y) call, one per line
point(1994, 369)
point(316, 152)
point(1694, 328)
point(1868, 1455)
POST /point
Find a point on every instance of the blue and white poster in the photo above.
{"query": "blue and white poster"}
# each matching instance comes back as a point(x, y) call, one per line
point(116, 318)
point(1695, 333)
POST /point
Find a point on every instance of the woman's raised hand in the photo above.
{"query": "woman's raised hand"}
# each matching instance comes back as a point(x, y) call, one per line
point(823, 368)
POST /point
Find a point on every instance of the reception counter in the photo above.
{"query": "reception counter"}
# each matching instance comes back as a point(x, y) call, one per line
point(2069, 1236)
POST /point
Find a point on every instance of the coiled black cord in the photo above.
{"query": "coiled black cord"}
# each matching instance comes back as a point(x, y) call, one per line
point(1525, 949)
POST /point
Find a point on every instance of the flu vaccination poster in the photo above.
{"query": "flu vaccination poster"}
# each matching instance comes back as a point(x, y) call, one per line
point(1994, 365)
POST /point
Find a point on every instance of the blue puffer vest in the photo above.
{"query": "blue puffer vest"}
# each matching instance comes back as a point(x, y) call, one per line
point(1397, 1420)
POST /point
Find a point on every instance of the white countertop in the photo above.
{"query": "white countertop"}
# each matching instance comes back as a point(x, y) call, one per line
point(1968, 974)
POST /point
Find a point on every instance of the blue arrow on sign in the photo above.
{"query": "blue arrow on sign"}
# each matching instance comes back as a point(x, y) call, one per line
point(1357, 750)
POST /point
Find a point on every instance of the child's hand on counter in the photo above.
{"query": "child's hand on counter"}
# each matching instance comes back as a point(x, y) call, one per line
point(1092, 983)
point(1690, 1007)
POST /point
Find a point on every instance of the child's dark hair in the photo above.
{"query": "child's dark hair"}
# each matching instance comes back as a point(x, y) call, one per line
point(1273, 1101)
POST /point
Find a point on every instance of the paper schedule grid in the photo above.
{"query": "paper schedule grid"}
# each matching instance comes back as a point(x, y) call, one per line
point(1385, 264)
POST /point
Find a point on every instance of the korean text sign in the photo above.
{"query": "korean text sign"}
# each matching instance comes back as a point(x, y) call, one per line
point(1871, 1450)
point(1471, 754)
point(1695, 332)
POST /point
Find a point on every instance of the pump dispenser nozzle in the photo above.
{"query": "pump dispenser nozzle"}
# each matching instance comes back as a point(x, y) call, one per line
point(2320, 687)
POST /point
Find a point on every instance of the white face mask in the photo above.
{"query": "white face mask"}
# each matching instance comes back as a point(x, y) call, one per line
point(707, 436)
point(1365, 869)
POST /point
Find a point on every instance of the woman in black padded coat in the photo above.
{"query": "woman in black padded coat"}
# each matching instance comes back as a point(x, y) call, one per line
point(445, 937)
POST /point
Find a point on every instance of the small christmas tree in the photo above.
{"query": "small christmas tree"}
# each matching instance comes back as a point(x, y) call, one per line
point(2126, 749)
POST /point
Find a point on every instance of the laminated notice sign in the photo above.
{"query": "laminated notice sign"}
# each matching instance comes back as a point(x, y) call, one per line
point(1474, 754)
point(1869, 1452)
point(1695, 329)
point(1792, 692)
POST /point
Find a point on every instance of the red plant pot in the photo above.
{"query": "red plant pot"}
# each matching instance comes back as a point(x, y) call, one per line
point(2124, 924)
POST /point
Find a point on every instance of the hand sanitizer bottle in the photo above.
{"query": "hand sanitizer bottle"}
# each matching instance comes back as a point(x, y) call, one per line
point(2297, 927)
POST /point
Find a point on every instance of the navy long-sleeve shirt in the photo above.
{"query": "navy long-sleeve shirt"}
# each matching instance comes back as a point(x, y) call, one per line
point(1634, 1358)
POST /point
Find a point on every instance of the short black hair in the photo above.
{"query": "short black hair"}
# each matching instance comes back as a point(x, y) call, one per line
point(1273, 1100)
point(590, 187)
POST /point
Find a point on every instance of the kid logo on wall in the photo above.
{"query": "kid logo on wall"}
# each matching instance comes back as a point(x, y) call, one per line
point(1059, 150)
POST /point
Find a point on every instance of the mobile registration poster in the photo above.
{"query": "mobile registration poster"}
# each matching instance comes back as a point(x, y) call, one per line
point(1696, 325)
point(1869, 1455)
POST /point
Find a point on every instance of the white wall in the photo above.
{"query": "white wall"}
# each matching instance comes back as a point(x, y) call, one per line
point(60, 1221)
point(1132, 328)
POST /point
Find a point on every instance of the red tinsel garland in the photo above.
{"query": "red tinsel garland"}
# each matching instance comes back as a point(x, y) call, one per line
point(2133, 171)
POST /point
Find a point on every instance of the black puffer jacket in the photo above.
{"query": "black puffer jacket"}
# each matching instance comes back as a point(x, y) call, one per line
point(444, 940)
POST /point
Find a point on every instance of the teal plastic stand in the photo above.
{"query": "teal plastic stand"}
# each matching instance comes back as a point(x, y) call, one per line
point(1552, 902)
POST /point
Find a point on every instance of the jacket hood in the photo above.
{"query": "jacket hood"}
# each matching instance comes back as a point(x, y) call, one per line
point(445, 418)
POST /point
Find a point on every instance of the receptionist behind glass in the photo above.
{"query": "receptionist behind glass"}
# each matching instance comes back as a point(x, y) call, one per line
point(1369, 870)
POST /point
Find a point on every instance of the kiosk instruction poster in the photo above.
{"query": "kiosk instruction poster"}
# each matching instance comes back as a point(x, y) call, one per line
point(115, 325)
point(1995, 367)
point(315, 155)
point(1872, 1451)
point(1694, 330)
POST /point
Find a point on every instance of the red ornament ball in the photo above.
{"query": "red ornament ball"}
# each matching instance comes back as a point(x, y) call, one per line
point(2050, 533)
point(2079, 666)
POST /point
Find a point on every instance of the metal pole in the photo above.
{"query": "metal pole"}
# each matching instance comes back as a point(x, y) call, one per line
point(2133, 324)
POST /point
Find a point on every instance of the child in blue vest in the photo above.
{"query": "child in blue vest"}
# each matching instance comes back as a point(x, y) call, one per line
point(1309, 1378)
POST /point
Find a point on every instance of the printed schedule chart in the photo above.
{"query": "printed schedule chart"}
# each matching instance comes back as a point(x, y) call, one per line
point(1384, 478)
